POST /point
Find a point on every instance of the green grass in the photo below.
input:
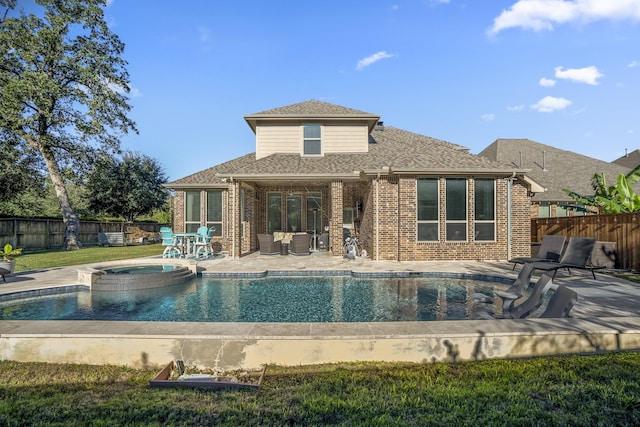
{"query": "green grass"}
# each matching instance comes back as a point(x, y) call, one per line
point(569, 390)
point(61, 258)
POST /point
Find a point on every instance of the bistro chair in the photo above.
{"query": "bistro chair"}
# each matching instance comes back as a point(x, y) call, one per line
point(203, 247)
point(172, 249)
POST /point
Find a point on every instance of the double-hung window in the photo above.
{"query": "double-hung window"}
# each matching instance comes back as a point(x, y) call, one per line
point(456, 209)
point(191, 211)
point(312, 141)
point(214, 211)
point(485, 209)
point(427, 205)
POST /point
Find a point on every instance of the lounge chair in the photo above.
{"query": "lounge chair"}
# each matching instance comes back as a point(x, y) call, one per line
point(300, 244)
point(514, 292)
point(577, 255)
point(4, 271)
point(268, 246)
point(528, 306)
point(549, 251)
point(561, 302)
point(172, 249)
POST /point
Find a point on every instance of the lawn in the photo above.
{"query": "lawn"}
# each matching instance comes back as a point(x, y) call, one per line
point(61, 258)
point(570, 390)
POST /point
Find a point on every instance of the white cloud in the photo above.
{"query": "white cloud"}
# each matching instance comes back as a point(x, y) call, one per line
point(488, 117)
point(516, 107)
point(549, 104)
point(363, 63)
point(633, 64)
point(588, 75)
point(539, 15)
point(544, 82)
point(395, 7)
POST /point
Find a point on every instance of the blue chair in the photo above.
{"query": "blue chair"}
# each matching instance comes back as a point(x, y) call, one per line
point(172, 250)
point(203, 248)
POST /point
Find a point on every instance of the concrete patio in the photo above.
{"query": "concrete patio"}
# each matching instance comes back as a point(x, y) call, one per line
point(606, 318)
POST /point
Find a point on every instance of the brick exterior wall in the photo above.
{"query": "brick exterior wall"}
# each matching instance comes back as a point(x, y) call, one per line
point(387, 214)
point(397, 221)
point(336, 243)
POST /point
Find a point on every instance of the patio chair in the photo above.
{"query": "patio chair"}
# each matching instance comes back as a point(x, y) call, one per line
point(520, 311)
point(549, 250)
point(514, 292)
point(300, 244)
point(577, 255)
point(561, 302)
point(203, 247)
point(4, 271)
point(172, 250)
point(268, 246)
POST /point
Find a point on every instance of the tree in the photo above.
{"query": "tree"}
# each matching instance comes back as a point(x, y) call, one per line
point(63, 89)
point(127, 188)
point(19, 176)
point(619, 198)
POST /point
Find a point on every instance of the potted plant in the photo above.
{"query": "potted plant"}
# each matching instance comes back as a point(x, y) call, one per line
point(8, 254)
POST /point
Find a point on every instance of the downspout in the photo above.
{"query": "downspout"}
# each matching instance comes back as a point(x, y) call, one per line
point(510, 214)
point(377, 217)
point(233, 220)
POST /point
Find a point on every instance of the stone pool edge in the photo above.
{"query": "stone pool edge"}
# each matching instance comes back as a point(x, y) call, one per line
point(151, 345)
point(226, 346)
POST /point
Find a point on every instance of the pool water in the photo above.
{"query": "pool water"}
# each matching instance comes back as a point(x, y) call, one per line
point(270, 299)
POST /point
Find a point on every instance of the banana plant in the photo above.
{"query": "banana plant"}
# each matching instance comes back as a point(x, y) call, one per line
point(619, 198)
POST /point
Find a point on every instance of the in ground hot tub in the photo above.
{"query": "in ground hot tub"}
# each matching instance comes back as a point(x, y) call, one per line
point(136, 277)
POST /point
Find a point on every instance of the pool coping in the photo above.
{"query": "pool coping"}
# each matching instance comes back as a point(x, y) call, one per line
point(251, 345)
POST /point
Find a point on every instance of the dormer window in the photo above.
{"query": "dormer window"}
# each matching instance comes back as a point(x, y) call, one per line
point(312, 140)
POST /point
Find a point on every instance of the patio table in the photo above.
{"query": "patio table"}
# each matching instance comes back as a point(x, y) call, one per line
point(186, 242)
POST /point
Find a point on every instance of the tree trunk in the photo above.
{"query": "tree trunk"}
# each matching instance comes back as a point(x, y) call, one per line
point(69, 216)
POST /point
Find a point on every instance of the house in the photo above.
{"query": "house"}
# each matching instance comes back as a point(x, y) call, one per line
point(320, 166)
point(555, 170)
point(629, 160)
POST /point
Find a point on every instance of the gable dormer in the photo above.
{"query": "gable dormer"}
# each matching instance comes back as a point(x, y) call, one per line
point(311, 129)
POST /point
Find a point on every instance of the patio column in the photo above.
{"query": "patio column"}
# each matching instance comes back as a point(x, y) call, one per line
point(235, 222)
point(335, 221)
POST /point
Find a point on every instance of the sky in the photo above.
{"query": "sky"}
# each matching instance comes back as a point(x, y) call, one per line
point(565, 73)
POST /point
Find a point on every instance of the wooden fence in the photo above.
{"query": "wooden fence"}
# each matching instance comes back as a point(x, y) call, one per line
point(38, 233)
point(623, 229)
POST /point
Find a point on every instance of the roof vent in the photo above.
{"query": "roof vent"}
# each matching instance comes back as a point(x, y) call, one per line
point(380, 125)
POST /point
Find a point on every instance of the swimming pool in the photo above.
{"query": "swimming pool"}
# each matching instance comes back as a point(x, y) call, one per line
point(267, 299)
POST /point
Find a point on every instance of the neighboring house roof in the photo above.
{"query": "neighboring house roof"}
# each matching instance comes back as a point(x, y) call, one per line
point(629, 160)
point(554, 168)
point(390, 149)
point(314, 110)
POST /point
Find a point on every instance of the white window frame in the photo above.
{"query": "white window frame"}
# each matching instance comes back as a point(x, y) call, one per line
point(311, 139)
